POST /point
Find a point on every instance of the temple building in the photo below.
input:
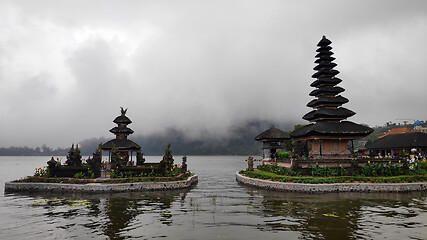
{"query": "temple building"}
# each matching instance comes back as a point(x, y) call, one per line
point(124, 146)
point(399, 144)
point(271, 139)
point(328, 135)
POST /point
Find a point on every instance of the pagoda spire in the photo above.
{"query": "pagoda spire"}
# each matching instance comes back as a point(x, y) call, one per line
point(122, 131)
point(327, 104)
point(328, 134)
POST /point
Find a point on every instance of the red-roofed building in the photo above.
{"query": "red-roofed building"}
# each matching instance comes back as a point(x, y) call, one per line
point(397, 131)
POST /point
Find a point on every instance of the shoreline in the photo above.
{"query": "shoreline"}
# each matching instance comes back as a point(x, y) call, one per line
point(102, 187)
point(330, 187)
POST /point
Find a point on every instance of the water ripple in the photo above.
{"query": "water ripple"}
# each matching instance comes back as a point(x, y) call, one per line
point(217, 208)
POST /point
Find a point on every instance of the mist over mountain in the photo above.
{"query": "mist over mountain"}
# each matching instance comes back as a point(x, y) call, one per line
point(238, 141)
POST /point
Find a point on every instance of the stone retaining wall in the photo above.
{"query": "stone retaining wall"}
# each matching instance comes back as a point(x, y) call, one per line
point(102, 187)
point(331, 187)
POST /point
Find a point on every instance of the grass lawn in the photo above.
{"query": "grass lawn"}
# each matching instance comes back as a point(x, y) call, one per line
point(334, 179)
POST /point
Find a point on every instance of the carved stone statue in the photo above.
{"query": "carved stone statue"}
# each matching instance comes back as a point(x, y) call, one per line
point(52, 162)
point(250, 163)
point(184, 164)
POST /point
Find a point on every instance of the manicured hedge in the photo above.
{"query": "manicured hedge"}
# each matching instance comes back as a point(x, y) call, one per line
point(338, 179)
point(68, 171)
point(145, 169)
point(180, 177)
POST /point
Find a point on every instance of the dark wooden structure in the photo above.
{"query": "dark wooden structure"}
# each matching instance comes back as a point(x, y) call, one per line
point(271, 139)
point(328, 135)
point(124, 146)
point(399, 144)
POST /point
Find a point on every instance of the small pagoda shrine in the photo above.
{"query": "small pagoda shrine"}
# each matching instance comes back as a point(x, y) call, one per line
point(328, 136)
point(271, 139)
point(123, 145)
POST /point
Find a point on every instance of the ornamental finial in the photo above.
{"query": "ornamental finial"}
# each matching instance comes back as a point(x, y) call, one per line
point(123, 111)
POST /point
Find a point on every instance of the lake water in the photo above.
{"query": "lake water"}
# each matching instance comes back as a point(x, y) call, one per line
point(217, 208)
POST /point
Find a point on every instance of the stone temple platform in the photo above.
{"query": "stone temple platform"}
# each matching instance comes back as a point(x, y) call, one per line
point(331, 187)
point(102, 187)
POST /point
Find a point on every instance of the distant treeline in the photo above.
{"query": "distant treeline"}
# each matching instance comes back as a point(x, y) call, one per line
point(240, 141)
point(38, 151)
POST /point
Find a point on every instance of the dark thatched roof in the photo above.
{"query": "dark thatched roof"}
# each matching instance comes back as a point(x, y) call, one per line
point(327, 90)
point(340, 112)
point(121, 130)
point(324, 42)
point(328, 65)
point(341, 129)
point(324, 48)
point(324, 59)
point(337, 100)
point(328, 112)
point(121, 144)
point(122, 119)
point(326, 81)
point(324, 53)
point(325, 73)
point(404, 140)
point(272, 134)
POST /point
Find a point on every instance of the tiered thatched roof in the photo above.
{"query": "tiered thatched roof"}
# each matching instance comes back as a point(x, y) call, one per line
point(121, 131)
point(328, 115)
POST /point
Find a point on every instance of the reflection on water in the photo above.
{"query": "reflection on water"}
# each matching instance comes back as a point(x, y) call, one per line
point(105, 215)
point(217, 208)
point(344, 215)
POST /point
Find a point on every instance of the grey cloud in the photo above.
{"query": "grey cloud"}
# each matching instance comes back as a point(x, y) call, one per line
point(204, 66)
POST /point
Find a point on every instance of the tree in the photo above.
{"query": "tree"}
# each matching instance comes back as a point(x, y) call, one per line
point(115, 159)
point(292, 145)
point(95, 162)
point(74, 158)
point(139, 158)
point(167, 160)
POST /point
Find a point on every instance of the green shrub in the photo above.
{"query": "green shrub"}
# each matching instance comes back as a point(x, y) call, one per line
point(418, 168)
point(79, 175)
point(316, 170)
point(284, 155)
point(274, 168)
point(91, 174)
point(339, 170)
point(382, 169)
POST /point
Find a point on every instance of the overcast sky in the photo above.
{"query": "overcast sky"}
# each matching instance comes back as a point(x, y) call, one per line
point(66, 67)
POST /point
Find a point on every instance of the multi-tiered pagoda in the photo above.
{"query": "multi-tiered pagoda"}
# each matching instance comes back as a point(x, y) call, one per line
point(328, 134)
point(124, 146)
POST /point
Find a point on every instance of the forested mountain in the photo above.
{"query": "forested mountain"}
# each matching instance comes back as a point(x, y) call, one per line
point(239, 141)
